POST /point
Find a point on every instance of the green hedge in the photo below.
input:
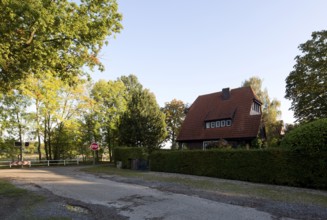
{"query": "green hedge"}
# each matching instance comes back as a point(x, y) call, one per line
point(310, 137)
point(275, 166)
point(125, 154)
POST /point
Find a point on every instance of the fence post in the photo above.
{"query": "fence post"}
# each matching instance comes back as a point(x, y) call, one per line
point(64, 162)
point(48, 163)
point(77, 161)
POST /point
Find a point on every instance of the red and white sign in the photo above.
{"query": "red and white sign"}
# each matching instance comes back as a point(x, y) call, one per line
point(94, 146)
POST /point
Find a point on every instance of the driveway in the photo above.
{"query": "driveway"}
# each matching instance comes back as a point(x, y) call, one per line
point(130, 200)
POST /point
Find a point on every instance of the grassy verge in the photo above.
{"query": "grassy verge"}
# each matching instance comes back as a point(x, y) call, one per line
point(9, 190)
point(226, 187)
point(13, 199)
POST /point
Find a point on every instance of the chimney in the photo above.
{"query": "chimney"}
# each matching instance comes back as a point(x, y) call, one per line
point(225, 93)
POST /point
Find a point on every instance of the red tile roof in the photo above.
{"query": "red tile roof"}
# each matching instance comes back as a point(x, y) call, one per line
point(212, 107)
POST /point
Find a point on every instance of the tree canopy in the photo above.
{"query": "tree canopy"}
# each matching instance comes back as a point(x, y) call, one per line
point(306, 85)
point(110, 103)
point(143, 124)
point(175, 115)
point(270, 110)
point(53, 35)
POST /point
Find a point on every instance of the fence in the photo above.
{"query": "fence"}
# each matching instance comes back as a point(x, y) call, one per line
point(31, 163)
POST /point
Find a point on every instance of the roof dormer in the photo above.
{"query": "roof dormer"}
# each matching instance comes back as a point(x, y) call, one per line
point(255, 108)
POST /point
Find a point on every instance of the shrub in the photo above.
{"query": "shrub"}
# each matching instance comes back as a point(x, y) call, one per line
point(125, 154)
point(311, 137)
point(257, 143)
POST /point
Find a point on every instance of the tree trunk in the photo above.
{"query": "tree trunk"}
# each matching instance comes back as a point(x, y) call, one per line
point(20, 158)
point(45, 139)
point(38, 129)
point(173, 141)
point(49, 138)
point(109, 142)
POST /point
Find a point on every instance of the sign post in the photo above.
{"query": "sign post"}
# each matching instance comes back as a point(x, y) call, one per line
point(94, 147)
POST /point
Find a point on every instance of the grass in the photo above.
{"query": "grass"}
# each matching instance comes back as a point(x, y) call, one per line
point(24, 201)
point(226, 187)
point(18, 198)
point(7, 189)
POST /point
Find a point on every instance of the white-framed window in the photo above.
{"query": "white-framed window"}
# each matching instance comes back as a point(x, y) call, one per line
point(255, 109)
point(218, 124)
point(213, 124)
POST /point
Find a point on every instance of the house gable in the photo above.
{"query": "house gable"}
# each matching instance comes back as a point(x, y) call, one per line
point(229, 114)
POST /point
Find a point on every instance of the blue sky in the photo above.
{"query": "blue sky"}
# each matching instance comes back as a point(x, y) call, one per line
point(185, 48)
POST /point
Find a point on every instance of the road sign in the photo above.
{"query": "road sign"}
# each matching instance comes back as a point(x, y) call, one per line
point(94, 146)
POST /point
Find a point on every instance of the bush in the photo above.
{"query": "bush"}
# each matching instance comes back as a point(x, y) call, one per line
point(274, 166)
point(310, 137)
point(125, 154)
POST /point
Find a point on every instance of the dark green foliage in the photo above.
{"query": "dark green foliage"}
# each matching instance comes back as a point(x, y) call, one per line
point(306, 85)
point(143, 124)
point(311, 137)
point(7, 149)
point(125, 154)
point(257, 143)
point(273, 166)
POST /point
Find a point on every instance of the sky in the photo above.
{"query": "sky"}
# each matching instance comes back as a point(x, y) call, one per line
point(180, 49)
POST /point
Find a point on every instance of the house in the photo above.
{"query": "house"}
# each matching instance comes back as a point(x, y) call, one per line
point(232, 116)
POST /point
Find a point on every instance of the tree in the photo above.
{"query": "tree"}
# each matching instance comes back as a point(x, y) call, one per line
point(132, 85)
point(306, 85)
point(143, 124)
point(53, 35)
point(57, 105)
point(110, 104)
point(175, 115)
point(70, 101)
point(270, 110)
point(15, 117)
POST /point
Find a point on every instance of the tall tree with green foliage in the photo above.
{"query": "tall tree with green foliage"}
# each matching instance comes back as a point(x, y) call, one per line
point(59, 36)
point(110, 102)
point(175, 115)
point(71, 101)
point(57, 106)
point(132, 84)
point(143, 124)
point(15, 117)
point(270, 110)
point(306, 85)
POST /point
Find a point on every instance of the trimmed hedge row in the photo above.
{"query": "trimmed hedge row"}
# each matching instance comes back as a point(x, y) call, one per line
point(125, 154)
point(274, 166)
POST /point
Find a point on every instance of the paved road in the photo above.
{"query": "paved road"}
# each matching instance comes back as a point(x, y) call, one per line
point(133, 201)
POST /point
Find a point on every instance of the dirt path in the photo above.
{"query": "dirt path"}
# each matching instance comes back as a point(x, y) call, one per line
point(139, 199)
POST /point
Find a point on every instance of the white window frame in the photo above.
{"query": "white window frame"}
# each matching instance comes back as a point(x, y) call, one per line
point(212, 124)
point(255, 109)
point(217, 124)
point(207, 124)
point(228, 123)
point(222, 123)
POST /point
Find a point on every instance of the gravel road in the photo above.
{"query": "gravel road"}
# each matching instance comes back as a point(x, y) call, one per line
point(108, 197)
